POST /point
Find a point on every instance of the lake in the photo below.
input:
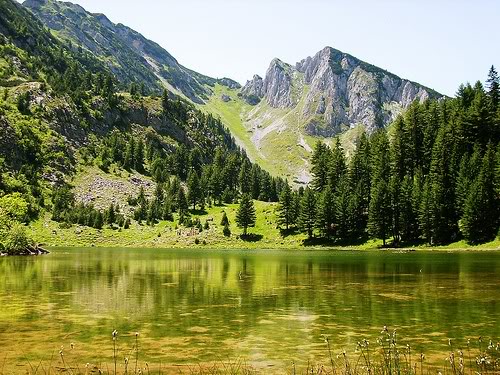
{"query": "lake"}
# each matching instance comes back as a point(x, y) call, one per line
point(268, 308)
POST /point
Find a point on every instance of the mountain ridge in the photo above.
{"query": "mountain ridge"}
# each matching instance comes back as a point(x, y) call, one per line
point(336, 80)
point(130, 56)
point(282, 114)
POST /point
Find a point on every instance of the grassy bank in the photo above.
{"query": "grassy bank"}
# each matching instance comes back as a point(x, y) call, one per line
point(167, 234)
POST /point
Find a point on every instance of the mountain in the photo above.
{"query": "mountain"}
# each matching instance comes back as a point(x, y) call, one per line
point(73, 144)
point(129, 55)
point(337, 90)
point(279, 118)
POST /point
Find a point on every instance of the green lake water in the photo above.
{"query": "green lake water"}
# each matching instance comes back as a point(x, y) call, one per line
point(267, 307)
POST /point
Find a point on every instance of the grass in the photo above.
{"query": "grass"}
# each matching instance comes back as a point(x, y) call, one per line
point(265, 235)
point(279, 152)
point(167, 234)
point(387, 356)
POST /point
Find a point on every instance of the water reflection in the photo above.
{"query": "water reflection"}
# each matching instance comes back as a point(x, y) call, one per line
point(270, 307)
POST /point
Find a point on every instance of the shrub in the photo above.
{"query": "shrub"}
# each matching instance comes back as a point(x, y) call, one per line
point(17, 240)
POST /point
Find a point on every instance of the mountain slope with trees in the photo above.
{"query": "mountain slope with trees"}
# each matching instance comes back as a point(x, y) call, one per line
point(62, 110)
point(131, 57)
point(435, 178)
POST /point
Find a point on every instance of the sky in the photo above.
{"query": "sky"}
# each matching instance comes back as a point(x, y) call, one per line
point(438, 43)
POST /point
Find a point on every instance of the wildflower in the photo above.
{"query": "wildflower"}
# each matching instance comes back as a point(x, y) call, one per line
point(137, 334)
point(126, 360)
point(449, 342)
point(87, 365)
point(114, 334)
point(72, 346)
point(384, 329)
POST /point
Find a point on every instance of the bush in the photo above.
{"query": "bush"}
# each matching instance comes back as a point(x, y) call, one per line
point(17, 240)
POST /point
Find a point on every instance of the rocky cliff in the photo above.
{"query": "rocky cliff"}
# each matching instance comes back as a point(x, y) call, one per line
point(336, 91)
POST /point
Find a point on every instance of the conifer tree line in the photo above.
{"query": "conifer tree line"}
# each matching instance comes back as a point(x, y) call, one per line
point(433, 176)
point(228, 178)
point(187, 179)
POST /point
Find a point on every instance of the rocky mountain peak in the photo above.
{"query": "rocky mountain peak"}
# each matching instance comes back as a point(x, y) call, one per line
point(342, 92)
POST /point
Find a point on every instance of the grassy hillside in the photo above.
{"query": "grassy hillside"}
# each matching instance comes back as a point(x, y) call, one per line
point(271, 137)
point(274, 138)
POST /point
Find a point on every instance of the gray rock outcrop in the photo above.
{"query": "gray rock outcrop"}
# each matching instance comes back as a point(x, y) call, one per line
point(343, 91)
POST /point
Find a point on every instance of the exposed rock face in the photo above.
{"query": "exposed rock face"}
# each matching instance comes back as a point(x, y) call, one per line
point(278, 84)
point(253, 90)
point(228, 82)
point(130, 56)
point(343, 91)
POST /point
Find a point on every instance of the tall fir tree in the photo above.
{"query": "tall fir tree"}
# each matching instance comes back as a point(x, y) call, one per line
point(285, 210)
point(245, 216)
point(379, 211)
point(337, 167)
point(195, 194)
point(245, 178)
point(480, 218)
point(325, 208)
point(307, 217)
point(319, 166)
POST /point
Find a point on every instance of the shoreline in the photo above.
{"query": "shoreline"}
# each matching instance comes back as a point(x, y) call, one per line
point(304, 249)
point(36, 250)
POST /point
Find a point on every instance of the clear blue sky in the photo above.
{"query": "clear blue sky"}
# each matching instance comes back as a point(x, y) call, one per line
point(439, 43)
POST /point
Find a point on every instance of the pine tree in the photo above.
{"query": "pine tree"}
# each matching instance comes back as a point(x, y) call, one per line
point(493, 83)
point(98, 221)
point(359, 182)
point(380, 209)
point(407, 215)
point(380, 215)
point(182, 206)
point(319, 169)
point(224, 221)
point(194, 189)
point(129, 161)
point(110, 215)
point(216, 186)
point(307, 217)
point(165, 102)
point(480, 218)
point(285, 210)
point(442, 193)
point(265, 190)
point(245, 178)
point(337, 166)
point(139, 156)
point(255, 177)
point(245, 216)
point(343, 220)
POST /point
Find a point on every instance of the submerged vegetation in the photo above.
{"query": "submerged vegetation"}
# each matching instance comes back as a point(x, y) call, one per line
point(389, 355)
